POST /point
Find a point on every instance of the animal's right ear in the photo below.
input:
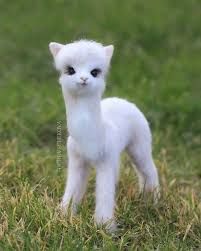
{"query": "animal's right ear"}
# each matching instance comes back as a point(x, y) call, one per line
point(55, 48)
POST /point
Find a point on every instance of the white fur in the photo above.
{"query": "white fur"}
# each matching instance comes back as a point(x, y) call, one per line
point(99, 130)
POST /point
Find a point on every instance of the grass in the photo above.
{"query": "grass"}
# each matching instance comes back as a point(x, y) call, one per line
point(156, 65)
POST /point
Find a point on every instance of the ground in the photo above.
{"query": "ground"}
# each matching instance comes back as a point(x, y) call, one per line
point(156, 64)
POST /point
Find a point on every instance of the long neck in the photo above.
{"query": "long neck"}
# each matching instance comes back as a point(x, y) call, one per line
point(84, 119)
point(82, 107)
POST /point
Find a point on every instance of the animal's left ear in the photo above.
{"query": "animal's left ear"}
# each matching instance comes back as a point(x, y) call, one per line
point(109, 51)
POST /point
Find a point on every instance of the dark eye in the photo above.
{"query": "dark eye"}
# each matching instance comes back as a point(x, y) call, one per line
point(70, 70)
point(95, 72)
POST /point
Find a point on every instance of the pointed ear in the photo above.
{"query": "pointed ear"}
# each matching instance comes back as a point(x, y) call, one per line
point(109, 51)
point(55, 48)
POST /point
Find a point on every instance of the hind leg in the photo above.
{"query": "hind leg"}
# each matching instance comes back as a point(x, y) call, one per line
point(141, 155)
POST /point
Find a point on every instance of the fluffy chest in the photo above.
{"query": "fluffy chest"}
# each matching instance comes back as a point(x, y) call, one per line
point(87, 132)
point(81, 126)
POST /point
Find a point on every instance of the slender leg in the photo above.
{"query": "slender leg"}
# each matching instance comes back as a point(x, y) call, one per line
point(76, 181)
point(105, 193)
point(146, 170)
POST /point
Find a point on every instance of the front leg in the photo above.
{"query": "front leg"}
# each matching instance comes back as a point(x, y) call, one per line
point(105, 193)
point(76, 181)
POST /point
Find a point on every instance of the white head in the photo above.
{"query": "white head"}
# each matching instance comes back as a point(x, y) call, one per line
point(83, 66)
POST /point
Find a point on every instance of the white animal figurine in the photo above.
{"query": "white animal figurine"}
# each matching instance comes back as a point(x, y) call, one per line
point(99, 130)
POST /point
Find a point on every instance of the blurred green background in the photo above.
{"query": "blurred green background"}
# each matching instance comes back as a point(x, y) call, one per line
point(156, 61)
point(156, 64)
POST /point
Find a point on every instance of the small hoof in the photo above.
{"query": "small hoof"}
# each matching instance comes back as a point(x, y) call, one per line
point(109, 224)
point(152, 194)
point(62, 208)
point(111, 227)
